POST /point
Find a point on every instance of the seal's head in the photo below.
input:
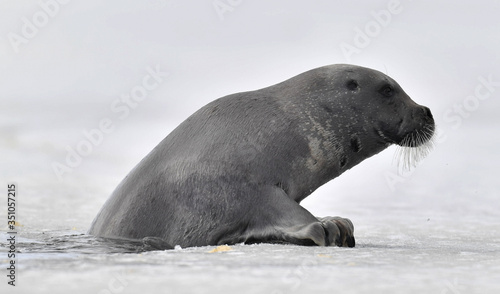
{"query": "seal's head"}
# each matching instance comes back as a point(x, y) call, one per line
point(396, 118)
point(370, 109)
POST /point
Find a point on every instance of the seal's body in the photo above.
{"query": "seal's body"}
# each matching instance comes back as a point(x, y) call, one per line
point(236, 170)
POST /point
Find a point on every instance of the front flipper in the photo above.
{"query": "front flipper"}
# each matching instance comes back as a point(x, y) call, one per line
point(346, 236)
point(280, 219)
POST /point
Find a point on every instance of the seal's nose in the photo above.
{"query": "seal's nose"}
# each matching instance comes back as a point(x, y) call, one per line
point(422, 112)
point(427, 112)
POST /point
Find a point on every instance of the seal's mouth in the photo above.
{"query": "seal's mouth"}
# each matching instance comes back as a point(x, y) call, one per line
point(418, 137)
point(413, 138)
point(414, 147)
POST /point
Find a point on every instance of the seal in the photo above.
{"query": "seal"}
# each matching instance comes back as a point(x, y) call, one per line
point(237, 169)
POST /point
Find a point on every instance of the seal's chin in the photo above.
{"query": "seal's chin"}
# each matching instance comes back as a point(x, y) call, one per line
point(414, 147)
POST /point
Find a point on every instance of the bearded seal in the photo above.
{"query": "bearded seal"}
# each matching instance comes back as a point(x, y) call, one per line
point(237, 169)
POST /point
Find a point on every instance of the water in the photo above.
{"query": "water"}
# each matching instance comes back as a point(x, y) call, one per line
point(420, 258)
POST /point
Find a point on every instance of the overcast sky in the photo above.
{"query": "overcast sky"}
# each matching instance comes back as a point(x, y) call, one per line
point(92, 51)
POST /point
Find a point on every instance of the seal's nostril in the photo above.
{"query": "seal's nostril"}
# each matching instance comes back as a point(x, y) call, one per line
point(427, 112)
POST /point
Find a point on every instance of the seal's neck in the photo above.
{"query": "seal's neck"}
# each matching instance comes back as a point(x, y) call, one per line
point(336, 144)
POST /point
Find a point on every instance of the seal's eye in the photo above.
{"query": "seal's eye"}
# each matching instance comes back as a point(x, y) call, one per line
point(352, 85)
point(387, 91)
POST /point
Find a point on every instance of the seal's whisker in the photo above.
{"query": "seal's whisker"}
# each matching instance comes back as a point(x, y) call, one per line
point(414, 148)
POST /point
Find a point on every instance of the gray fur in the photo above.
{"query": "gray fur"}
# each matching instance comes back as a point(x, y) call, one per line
point(236, 170)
